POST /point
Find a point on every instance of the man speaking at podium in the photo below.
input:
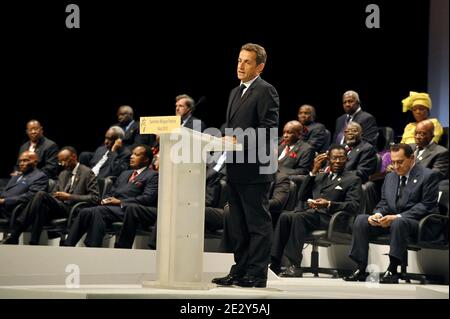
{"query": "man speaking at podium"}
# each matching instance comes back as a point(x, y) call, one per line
point(253, 108)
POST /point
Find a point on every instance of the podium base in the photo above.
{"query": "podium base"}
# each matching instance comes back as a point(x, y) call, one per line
point(179, 285)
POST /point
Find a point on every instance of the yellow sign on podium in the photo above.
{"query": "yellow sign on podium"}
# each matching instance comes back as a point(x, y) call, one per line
point(159, 124)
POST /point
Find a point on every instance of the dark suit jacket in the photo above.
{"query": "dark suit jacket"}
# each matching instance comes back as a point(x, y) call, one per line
point(47, 150)
point(84, 188)
point(190, 123)
point(257, 108)
point(420, 194)
point(363, 160)
point(367, 122)
point(299, 159)
point(116, 163)
point(344, 192)
point(317, 136)
point(143, 190)
point(131, 135)
point(434, 157)
point(23, 191)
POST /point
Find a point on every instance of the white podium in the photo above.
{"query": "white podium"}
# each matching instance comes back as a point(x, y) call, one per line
point(181, 207)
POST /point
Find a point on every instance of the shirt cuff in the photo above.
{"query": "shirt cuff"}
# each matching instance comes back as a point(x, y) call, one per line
point(311, 174)
point(399, 215)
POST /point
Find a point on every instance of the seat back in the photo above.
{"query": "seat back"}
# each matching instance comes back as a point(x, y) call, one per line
point(51, 185)
point(292, 199)
point(386, 137)
point(327, 143)
point(104, 185)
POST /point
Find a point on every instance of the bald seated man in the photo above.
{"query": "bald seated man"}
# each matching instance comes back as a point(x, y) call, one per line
point(427, 152)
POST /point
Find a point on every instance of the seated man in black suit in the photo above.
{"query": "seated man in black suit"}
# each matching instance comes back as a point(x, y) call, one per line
point(361, 156)
point(408, 194)
point(45, 149)
point(428, 153)
point(22, 187)
point(125, 118)
point(112, 158)
point(295, 157)
point(354, 113)
point(76, 183)
point(185, 107)
point(315, 134)
point(321, 195)
point(138, 186)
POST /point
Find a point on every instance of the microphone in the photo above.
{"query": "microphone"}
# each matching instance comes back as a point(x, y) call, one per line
point(201, 100)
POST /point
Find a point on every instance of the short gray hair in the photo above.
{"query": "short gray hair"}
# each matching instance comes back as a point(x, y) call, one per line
point(118, 131)
point(190, 103)
point(354, 94)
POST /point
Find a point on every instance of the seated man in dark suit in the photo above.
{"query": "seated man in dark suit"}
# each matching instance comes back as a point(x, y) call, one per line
point(408, 194)
point(361, 156)
point(295, 157)
point(76, 183)
point(112, 158)
point(321, 195)
point(22, 187)
point(315, 134)
point(354, 113)
point(45, 149)
point(185, 107)
point(428, 153)
point(125, 117)
point(136, 186)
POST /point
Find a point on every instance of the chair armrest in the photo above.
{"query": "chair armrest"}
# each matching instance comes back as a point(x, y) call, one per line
point(341, 218)
point(13, 215)
point(432, 218)
point(74, 209)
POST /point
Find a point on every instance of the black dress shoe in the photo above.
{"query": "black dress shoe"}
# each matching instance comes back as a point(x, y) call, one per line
point(251, 281)
point(9, 240)
point(389, 278)
point(292, 272)
point(228, 280)
point(357, 275)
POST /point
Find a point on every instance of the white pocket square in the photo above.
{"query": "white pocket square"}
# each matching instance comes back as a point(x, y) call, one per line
point(338, 187)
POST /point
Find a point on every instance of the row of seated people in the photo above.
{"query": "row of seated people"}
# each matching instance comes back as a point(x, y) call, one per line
point(314, 133)
point(295, 155)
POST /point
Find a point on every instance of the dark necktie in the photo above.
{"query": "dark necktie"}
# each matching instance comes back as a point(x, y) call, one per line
point(241, 90)
point(401, 190)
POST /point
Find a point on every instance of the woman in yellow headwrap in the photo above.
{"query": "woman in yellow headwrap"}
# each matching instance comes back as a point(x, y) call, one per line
point(420, 105)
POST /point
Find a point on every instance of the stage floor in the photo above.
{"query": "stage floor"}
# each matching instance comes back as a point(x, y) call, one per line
point(284, 288)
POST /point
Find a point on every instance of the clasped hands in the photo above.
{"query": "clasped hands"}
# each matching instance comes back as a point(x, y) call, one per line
point(377, 220)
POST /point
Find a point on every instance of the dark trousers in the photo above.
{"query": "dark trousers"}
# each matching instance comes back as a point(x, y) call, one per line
point(250, 220)
point(39, 211)
point(400, 231)
point(291, 231)
point(135, 216)
point(93, 221)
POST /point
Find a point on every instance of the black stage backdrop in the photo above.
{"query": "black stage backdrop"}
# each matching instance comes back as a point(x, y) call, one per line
point(144, 54)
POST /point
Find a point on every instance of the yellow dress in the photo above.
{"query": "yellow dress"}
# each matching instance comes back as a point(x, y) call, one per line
point(408, 134)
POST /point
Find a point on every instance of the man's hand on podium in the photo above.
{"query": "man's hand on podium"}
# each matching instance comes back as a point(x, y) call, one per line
point(231, 139)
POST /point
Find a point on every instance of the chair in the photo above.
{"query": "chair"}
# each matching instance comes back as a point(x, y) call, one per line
point(292, 199)
point(327, 143)
point(338, 233)
point(444, 139)
point(386, 137)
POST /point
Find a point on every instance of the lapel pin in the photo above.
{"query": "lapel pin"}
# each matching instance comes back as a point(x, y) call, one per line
point(415, 181)
point(339, 179)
